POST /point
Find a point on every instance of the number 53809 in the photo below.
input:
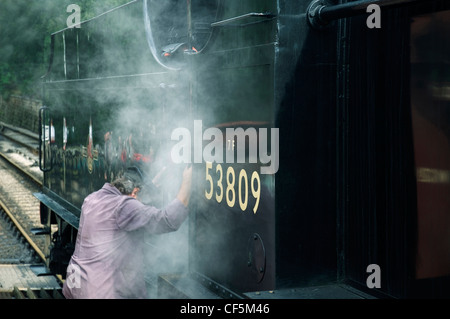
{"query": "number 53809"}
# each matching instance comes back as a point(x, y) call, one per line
point(225, 186)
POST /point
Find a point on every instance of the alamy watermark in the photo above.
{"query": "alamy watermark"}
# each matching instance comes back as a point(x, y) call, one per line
point(374, 279)
point(236, 146)
point(374, 19)
point(73, 20)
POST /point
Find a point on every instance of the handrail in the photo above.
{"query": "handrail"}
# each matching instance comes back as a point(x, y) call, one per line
point(77, 25)
point(43, 141)
point(267, 15)
point(52, 53)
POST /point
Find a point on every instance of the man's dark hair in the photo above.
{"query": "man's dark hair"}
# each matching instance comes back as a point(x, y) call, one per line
point(124, 185)
point(130, 180)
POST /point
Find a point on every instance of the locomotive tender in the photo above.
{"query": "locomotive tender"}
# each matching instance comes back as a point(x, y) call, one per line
point(362, 116)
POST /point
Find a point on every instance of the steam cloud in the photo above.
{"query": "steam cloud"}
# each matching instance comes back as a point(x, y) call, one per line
point(132, 92)
point(138, 96)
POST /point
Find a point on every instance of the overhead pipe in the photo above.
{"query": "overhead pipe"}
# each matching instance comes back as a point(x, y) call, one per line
point(319, 13)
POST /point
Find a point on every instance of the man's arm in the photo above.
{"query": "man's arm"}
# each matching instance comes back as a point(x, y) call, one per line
point(185, 190)
point(131, 214)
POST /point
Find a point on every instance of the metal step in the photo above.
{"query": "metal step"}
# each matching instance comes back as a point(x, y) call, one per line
point(40, 231)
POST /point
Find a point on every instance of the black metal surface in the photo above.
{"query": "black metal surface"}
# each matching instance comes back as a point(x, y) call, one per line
point(58, 209)
point(344, 194)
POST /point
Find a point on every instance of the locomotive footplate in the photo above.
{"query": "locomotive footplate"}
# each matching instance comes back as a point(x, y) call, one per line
point(331, 291)
point(192, 286)
point(182, 286)
point(196, 286)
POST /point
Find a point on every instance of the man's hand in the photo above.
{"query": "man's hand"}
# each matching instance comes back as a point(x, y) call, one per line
point(185, 190)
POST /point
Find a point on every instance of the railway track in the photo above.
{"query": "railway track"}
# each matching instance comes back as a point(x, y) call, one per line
point(22, 251)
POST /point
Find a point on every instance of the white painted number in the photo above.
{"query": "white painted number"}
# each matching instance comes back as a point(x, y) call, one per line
point(230, 191)
point(243, 200)
point(208, 195)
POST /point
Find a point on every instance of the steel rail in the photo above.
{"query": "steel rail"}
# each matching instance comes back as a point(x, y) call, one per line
point(22, 230)
point(29, 147)
point(28, 175)
point(5, 208)
point(35, 179)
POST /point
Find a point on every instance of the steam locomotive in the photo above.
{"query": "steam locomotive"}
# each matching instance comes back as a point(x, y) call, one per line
point(349, 104)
